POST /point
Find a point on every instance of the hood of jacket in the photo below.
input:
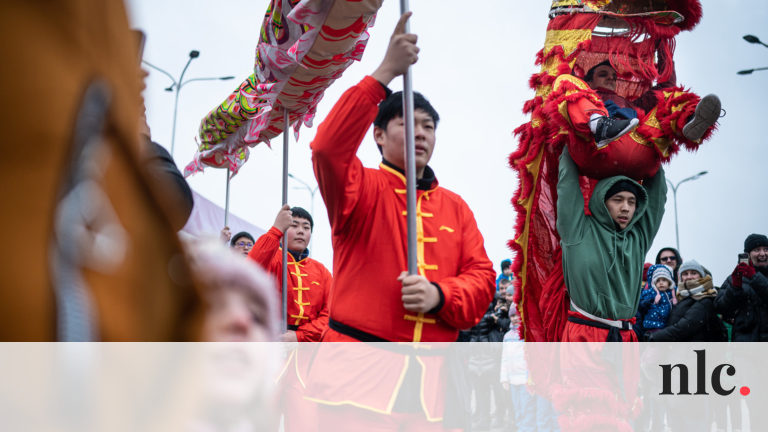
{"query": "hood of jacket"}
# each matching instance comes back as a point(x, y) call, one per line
point(600, 210)
point(603, 266)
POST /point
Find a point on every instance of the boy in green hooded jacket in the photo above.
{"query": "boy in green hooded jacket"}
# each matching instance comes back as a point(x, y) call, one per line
point(603, 253)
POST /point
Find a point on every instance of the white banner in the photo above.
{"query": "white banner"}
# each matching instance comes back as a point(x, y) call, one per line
point(207, 219)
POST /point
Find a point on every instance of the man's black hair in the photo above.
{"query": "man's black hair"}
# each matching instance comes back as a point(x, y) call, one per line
point(591, 73)
point(392, 107)
point(299, 212)
point(240, 235)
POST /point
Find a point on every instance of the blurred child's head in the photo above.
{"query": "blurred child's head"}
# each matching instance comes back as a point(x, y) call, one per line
point(241, 299)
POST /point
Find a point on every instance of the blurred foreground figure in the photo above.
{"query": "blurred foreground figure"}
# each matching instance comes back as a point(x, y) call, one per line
point(95, 256)
point(241, 297)
point(237, 380)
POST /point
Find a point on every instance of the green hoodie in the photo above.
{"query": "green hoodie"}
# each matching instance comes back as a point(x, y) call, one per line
point(603, 266)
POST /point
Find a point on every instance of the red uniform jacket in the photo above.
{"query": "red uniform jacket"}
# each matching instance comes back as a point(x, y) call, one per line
point(308, 286)
point(367, 212)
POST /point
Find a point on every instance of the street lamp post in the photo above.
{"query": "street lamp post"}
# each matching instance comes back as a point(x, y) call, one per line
point(749, 71)
point(753, 40)
point(312, 192)
point(176, 85)
point(674, 198)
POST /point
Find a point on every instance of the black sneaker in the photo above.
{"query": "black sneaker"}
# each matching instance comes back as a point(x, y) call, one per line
point(706, 114)
point(610, 128)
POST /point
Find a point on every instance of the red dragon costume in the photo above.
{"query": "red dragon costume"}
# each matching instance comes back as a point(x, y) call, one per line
point(637, 37)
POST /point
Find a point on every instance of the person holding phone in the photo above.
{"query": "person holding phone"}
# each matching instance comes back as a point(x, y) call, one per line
point(744, 294)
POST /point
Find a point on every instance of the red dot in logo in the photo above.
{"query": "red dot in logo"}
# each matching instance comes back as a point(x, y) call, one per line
point(744, 391)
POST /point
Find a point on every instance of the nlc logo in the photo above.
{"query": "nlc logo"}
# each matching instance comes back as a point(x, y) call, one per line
point(701, 377)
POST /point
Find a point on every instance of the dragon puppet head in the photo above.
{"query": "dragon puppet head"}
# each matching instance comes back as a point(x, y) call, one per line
point(636, 36)
point(684, 14)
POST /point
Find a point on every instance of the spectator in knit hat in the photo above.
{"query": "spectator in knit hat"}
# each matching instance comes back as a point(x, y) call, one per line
point(693, 319)
point(657, 301)
point(744, 294)
point(690, 270)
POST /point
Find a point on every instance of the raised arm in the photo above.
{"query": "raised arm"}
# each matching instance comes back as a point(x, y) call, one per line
point(656, 187)
point(337, 168)
point(264, 251)
point(570, 201)
point(729, 298)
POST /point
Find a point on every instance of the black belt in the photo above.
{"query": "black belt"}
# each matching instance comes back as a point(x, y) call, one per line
point(293, 327)
point(614, 333)
point(353, 332)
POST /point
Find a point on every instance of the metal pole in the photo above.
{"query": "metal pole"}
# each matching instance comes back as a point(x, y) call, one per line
point(177, 85)
point(312, 209)
point(226, 202)
point(674, 198)
point(285, 201)
point(749, 71)
point(410, 158)
point(176, 104)
point(175, 110)
point(312, 192)
point(674, 201)
point(677, 231)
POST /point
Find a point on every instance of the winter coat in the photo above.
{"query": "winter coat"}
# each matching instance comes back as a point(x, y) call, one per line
point(656, 314)
point(747, 306)
point(490, 329)
point(602, 265)
point(690, 321)
point(485, 357)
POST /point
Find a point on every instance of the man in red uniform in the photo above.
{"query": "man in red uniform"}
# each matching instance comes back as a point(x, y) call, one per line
point(308, 281)
point(373, 298)
point(367, 207)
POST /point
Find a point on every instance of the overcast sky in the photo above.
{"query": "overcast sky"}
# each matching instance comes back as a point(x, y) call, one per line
point(474, 67)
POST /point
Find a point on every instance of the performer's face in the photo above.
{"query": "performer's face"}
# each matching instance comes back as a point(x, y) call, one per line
point(621, 207)
point(392, 140)
point(604, 77)
point(298, 234)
